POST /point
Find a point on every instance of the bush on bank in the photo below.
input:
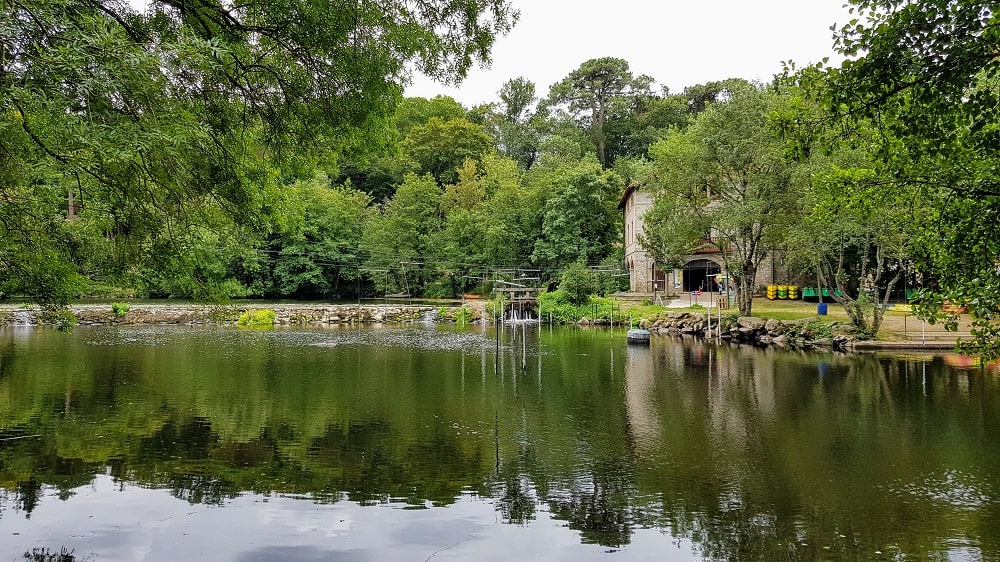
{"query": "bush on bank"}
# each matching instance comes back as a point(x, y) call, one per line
point(560, 306)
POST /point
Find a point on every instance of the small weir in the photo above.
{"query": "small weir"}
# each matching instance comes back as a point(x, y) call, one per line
point(522, 304)
point(24, 318)
point(515, 316)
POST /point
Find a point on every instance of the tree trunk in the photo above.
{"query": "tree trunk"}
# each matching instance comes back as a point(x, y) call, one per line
point(745, 285)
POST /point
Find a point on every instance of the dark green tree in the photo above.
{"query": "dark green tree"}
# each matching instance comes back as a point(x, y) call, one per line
point(401, 237)
point(148, 118)
point(724, 181)
point(314, 255)
point(441, 147)
point(591, 93)
point(926, 72)
point(579, 221)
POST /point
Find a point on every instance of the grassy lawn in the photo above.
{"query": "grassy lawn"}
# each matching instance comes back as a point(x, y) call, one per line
point(762, 307)
point(796, 310)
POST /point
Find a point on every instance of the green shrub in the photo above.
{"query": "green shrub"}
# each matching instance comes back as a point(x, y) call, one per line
point(257, 318)
point(463, 315)
point(562, 310)
point(59, 316)
point(437, 290)
point(120, 308)
point(819, 330)
point(497, 306)
point(222, 313)
point(577, 283)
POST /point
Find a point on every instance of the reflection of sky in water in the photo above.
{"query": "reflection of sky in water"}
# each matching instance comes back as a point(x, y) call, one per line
point(108, 521)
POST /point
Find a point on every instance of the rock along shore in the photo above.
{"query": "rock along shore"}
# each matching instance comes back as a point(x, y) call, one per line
point(285, 314)
point(758, 331)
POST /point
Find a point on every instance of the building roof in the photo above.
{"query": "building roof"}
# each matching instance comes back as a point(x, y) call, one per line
point(632, 187)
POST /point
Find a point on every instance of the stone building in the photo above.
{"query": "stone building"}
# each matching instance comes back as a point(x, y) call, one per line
point(698, 270)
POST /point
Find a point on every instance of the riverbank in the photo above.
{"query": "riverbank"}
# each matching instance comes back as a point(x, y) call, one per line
point(284, 314)
point(799, 329)
point(899, 332)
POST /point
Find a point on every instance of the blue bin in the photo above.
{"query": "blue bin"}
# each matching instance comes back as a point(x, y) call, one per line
point(821, 308)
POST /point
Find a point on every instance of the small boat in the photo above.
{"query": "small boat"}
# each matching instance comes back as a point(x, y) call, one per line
point(637, 336)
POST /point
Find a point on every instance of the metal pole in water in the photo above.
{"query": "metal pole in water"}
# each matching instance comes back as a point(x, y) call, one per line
point(719, 325)
point(524, 349)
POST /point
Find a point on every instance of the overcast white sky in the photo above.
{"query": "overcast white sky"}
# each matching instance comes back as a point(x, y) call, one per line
point(678, 43)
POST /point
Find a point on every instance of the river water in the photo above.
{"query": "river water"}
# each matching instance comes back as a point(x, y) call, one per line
point(458, 443)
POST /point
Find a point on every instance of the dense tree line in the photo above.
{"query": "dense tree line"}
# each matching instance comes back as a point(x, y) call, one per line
point(212, 151)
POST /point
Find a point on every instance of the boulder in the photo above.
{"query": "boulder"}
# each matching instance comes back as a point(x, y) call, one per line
point(751, 322)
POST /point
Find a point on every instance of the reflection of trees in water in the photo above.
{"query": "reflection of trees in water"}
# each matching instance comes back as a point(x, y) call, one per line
point(46, 555)
point(27, 494)
point(515, 493)
point(750, 454)
point(599, 504)
point(373, 466)
point(8, 354)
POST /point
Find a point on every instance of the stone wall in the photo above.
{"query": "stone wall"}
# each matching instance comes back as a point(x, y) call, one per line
point(285, 315)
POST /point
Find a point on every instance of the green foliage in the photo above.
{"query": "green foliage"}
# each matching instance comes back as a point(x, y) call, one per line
point(496, 306)
point(401, 236)
point(925, 75)
point(313, 255)
point(120, 308)
point(257, 318)
point(577, 283)
point(580, 220)
point(612, 277)
point(417, 111)
point(460, 315)
point(464, 315)
point(224, 314)
point(594, 92)
point(441, 147)
point(817, 330)
point(726, 182)
point(149, 127)
point(58, 316)
point(856, 236)
point(563, 310)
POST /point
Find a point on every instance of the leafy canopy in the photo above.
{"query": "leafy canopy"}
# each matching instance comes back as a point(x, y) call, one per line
point(152, 117)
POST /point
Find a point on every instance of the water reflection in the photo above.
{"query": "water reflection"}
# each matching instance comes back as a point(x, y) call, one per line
point(567, 437)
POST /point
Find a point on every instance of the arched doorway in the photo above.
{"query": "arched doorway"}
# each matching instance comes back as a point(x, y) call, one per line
point(697, 275)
